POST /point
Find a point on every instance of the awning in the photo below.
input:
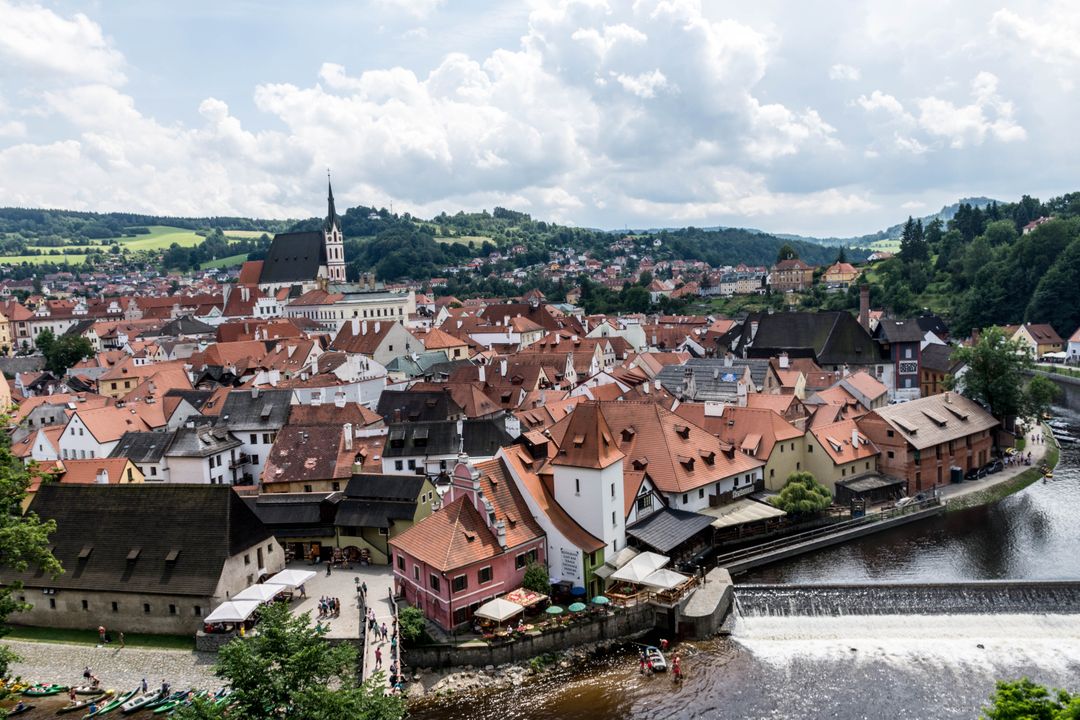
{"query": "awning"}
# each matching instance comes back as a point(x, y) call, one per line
point(667, 528)
point(498, 610)
point(640, 567)
point(603, 572)
point(259, 593)
point(233, 611)
point(525, 598)
point(622, 557)
point(664, 579)
point(291, 578)
point(741, 512)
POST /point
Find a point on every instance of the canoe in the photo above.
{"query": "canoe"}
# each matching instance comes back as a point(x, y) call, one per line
point(84, 703)
point(140, 701)
point(656, 659)
point(178, 695)
point(20, 711)
point(88, 690)
point(111, 705)
point(43, 690)
point(222, 697)
point(173, 704)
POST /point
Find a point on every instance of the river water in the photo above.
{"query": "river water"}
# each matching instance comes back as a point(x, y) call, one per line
point(854, 667)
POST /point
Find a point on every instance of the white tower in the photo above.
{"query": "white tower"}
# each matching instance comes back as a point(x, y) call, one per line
point(333, 240)
point(588, 477)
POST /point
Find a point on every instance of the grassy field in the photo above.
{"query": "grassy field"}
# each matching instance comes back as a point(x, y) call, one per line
point(161, 237)
point(246, 234)
point(90, 637)
point(39, 259)
point(230, 261)
point(892, 246)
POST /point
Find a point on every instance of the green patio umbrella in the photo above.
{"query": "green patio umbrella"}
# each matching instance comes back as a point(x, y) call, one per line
point(554, 610)
point(600, 600)
point(577, 607)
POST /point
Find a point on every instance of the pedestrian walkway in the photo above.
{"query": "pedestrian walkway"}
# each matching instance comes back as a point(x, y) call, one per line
point(1036, 443)
point(378, 601)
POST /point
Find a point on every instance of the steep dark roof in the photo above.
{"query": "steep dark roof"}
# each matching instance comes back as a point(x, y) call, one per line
point(935, 357)
point(184, 325)
point(369, 513)
point(195, 398)
point(896, 331)
point(485, 436)
point(294, 257)
point(417, 406)
point(143, 447)
point(201, 442)
point(403, 488)
point(668, 528)
point(933, 323)
point(269, 410)
point(100, 526)
point(831, 338)
point(296, 514)
point(482, 438)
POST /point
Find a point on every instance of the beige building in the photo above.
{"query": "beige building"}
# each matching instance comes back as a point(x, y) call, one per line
point(839, 452)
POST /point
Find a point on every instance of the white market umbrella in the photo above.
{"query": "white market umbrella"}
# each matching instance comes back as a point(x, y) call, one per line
point(260, 592)
point(640, 567)
point(665, 579)
point(233, 611)
point(291, 578)
point(498, 610)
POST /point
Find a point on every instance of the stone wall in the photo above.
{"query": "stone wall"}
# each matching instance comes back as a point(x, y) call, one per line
point(624, 623)
point(133, 612)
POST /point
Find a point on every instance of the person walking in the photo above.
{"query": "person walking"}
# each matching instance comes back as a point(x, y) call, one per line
point(641, 661)
point(676, 668)
point(122, 643)
point(383, 631)
point(144, 687)
point(328, 568)
point(86, 673)
point(363, 589)
point(378, 658)
point(101, 634)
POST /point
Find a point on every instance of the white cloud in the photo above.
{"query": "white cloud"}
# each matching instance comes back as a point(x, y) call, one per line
point(12, 129)
point(913, 205)
point(37, 40)
point(989, 116)
point(878, 100)
point(644, 85)
point(419, 9)
point(840, 71)
point(1052, 40)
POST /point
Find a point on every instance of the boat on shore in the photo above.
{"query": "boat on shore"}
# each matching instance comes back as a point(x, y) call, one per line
point(43, 690)
point(655, 658)
point(140, 701)
point(111, 705)
point(85, 702)
point(19, 710)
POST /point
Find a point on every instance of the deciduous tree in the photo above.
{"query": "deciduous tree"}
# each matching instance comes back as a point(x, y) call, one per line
point(802, 494)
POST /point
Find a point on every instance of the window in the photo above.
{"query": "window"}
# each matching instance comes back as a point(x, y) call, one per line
point(460, 583)
point(520, 561)
point(685, 499)
point(867, 464)
point(307, 488)
point(146, 608)
point(115, 606)
point(382, 531)
point(197, 611)
point(412, 464)
point(644, 502)
point(577, 486)
point(701, 493)
point(85, 605)
point(399, 465)
point(254, 438)
point(400, 562)
point(612, 519)
point(335, 485)
point(612, 489)
point(810, 448)
point(247, 559)
point(416, 573)
point(892, 454)
point(52, 603)
point(153, 469)
point(772, 472)
point(483, 576)
point(433, 581)
point(172, 609)
point(890, 433)
point(268, 438)
point(461, 615)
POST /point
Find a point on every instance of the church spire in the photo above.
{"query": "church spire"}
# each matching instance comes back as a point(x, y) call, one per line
point(331, 212)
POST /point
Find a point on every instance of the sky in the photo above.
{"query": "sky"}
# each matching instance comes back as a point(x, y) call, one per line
point(816, 118)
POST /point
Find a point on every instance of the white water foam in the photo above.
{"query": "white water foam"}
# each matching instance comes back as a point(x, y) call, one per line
point(1051, 642)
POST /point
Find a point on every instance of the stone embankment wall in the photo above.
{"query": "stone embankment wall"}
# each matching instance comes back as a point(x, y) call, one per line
point(625, 623)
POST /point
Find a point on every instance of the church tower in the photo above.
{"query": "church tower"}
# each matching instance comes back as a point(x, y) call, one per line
point(334, 241)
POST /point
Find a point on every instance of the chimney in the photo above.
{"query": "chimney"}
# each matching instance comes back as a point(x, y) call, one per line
point(854, 437)
point(339, 399)
point(378, 326)
point(729, 359)
point(645, 388)
point(347, 435)
point(355, 326)
point(363, 328)
point(482, 373)
point(714, 409)
point(947, 398)
point(784, 363)
point(502, 367)
point(500, 531)
point(254, 392)
point(102, 477)
point(864, 307)
point(513, 426)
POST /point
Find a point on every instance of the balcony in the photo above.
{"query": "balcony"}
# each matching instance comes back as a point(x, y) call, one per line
point(239, 461)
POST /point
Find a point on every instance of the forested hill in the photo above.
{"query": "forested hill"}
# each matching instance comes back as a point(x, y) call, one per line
point(39, 224)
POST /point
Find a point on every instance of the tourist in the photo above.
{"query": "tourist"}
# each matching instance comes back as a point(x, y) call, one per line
point(676, 669)
point(393, 645)
point(164, 687)
point(328, 568)
point(72, 695)
point(21, 707)
point(382, 631)
point(144, 687)
point(378, 658)
point(303, 592)
point(663, 644)
point(92, 709)
point(86, 673)
point(101, 633)
point(121, 639)
point(363, 589)
point(641, 661)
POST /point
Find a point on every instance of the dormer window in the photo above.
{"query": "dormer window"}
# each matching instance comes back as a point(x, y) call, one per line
point(682, 431)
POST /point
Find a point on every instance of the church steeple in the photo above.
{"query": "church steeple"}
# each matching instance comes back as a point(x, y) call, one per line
point(331, 212)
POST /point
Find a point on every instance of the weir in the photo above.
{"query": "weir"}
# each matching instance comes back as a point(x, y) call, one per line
point(967, 598)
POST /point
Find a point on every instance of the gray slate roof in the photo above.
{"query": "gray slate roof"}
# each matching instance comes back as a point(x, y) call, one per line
point(268, 411)
point(100, 526)
point(668, 528)
point(403, 488)
point(831, 338)
point(143, 447)
point(417, 406)
point(896, 331)
point(294, 257)
point(202, 441)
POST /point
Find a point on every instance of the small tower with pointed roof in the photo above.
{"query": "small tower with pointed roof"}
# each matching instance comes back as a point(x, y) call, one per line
point(588, 476)
point(334, 240)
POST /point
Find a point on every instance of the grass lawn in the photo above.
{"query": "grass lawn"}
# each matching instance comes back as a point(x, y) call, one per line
point(892, 246)
point(39, 259)
point(477, 240)
point(245, 234)
point(225, 262)
point(161, 237)
point(90, 637)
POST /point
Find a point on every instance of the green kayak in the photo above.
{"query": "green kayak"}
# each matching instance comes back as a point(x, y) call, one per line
point(186, 700)
point(80, 704)
point(178, 695)
point(43, 690)
point(112, 705)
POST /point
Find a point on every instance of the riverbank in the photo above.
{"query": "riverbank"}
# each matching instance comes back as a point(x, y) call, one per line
point(1003, 485)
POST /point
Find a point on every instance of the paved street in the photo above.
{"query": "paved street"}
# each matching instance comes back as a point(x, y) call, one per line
point(1037, 450)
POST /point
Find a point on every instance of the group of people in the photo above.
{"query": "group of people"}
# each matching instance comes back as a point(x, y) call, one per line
point(645, 662)
point(329, 607)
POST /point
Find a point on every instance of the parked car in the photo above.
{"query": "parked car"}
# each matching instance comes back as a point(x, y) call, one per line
point(972, 474)
point(994, 466)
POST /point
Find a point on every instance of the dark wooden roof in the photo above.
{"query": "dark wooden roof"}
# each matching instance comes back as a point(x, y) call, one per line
point(100, 526)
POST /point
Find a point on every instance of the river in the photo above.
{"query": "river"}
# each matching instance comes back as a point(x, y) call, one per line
point(854, 667)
